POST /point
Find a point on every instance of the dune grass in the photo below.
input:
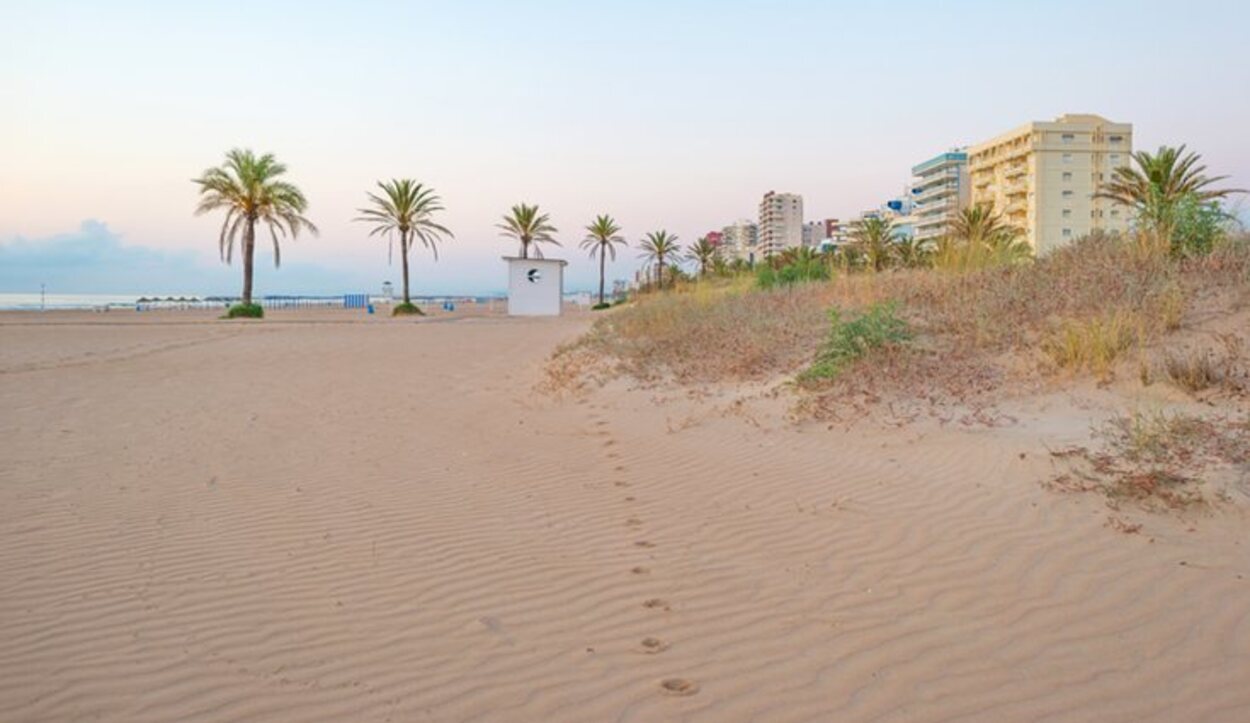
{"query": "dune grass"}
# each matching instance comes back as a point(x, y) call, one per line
point(1081, 309)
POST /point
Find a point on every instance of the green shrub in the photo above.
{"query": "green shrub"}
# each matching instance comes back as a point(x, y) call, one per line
point(800, 271)
point(246, 311)
point(407, 308)
point(600, 306)
point(875, 328)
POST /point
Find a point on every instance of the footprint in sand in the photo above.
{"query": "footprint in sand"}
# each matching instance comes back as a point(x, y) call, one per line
point(619, 468)
point(679, 686)
point(633, 522)
point(644, 543)
point(640, 570)
point(651, 646)
point(609, 443)
point(656, 603)
point(630, 499)
point(619, 483)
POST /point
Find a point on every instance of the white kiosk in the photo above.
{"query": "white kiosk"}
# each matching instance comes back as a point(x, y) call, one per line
point(535, 286)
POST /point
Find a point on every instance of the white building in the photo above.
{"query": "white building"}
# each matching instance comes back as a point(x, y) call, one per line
point(740, 241)
point(535, 286)
point(781, 223)
point(940, 191)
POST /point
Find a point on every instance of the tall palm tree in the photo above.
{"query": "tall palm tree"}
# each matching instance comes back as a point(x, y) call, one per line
point(873, 238)
point(525, 224)
point(704, 253)
point(656, 247)
point(1159, 186)
point(602, 235)
point(405, 208)
point(251, 191)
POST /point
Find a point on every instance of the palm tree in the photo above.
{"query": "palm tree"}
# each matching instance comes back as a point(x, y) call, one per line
point(704, 253)
point(657, 246)
point(601, 238)
point(405, 208)
point(979, 226)
point(873, 238)
point(1159, 186)
point(525, 224)
point(912, 254)
point(250, 190)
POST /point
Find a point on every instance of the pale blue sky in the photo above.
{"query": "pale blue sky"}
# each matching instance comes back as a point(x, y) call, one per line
point(674, 115)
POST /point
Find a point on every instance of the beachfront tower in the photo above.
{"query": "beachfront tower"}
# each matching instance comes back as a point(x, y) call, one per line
point(1042, 177)
point(939, 191)
point(781, 223)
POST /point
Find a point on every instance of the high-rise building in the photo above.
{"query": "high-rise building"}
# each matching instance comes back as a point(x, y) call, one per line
point(1042, 177)
point(781, 223)
point(813, 234)
point(939, 192)
point(739, 241)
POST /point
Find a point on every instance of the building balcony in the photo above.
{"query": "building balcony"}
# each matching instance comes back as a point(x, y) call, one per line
point(1014, 208)
point(1016, 170)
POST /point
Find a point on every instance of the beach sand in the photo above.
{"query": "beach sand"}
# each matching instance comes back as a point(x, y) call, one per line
point(328, 517)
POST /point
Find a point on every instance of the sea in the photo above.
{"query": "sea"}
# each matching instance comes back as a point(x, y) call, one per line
point(55, 302)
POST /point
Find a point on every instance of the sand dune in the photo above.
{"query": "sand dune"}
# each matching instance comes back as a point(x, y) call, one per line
point(386, 521)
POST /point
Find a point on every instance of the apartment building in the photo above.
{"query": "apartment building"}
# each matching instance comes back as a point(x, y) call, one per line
point(813, 234)
point(939, 191)
point(1042, 177)
point(781, 223)
point(739, 241)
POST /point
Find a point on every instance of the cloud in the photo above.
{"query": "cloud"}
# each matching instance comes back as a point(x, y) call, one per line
point(94, 259)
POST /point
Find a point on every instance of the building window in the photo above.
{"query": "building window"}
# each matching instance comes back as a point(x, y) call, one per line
point(1067, 194)
point(1068, 137)
point(1115, 157)
point(1116, 139)
point(1067, 158)
point(1067, 213)
point(1067, 175)
point(1067, 233)
point(1115, 213)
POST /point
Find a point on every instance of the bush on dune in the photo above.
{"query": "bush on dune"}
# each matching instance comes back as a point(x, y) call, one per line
point(1083, 308)
point(246, 311)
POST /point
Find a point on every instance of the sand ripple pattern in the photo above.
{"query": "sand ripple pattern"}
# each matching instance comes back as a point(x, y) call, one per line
point(384, 522)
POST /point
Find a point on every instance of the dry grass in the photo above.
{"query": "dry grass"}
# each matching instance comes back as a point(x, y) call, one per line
point(1204, 370)
point(1084, 307)
point(1157, 461)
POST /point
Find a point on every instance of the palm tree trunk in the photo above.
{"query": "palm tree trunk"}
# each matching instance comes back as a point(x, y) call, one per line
point(403, 252)
point(659, 273)
point(525, 248)
point(249, 253)
point(602, 252)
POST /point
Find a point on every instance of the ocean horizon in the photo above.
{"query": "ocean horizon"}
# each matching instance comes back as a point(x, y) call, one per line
point(71, 302)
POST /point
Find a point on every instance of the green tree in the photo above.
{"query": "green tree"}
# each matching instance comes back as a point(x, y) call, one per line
point(656, 247)
point(1158, 188)
point(525, 224)
point(873, 239)
point(251, 191)
point(405, 208)
point(913, 254)
point(704, 253)
point(601, 238)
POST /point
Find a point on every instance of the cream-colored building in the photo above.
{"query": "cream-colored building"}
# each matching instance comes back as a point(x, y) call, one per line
point(1042, 177)
point(781, 223)
point(739, 241)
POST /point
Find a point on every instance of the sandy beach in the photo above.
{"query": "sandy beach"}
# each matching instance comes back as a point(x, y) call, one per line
point(328, 517)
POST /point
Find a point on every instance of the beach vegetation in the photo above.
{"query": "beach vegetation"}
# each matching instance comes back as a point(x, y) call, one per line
point(251, 190)
point(245, 311)
point(603, 235)
point(704, 254)
point(659, 248)
point(529, 227)
point(407, 308)
point(874, 328)
point(1172, 200)
point(405, 210)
